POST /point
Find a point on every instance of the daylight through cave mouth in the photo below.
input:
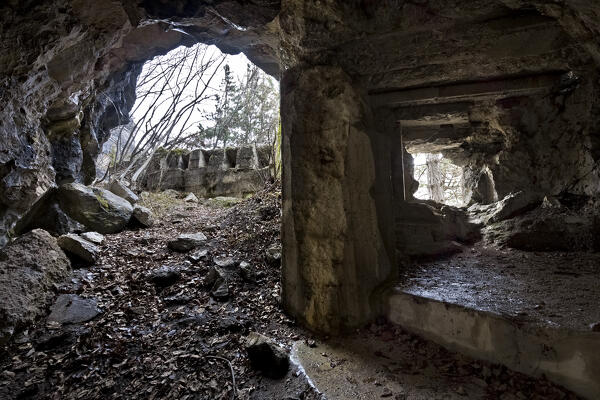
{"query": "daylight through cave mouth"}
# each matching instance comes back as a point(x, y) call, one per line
point(194, 98)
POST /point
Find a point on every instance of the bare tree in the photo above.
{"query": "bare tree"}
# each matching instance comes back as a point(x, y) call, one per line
point(169, 93)
point(435, 178)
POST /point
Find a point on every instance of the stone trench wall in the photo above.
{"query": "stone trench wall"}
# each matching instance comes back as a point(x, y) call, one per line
point(68, 70)
point(236, 171)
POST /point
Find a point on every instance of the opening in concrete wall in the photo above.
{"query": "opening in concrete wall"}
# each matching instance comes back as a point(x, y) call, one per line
point(439, 179)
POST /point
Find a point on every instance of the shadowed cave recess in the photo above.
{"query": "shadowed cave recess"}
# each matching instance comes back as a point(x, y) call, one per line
point(507, 91)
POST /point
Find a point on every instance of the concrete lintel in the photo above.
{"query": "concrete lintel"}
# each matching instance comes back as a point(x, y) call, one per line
point(499, 88)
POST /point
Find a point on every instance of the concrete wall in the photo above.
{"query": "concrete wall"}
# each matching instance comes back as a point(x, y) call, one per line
point(335, 253)
point(209, 173)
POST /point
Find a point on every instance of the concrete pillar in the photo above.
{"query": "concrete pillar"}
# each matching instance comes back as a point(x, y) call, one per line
point(334, 255)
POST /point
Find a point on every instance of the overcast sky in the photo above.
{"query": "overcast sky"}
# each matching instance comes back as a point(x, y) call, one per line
point(237, 64)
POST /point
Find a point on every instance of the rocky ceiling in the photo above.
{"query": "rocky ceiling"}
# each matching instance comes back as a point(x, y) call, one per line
point(68, 67)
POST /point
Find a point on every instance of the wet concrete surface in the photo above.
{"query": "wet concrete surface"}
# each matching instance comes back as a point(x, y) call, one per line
point(558, 289)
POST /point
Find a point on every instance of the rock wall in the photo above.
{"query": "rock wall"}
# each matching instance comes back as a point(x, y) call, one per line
point(209, 173)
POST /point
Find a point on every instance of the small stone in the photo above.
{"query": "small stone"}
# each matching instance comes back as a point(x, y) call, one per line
point(93, 237)
point(177, 300)
point(187, 242)
point(224, 262)
point(217, 280)
point(164, 276)
point(595, 327)
point(79, 247)
point(143, 215)
point(211, 228)
point(273, 255)
point(268, 212)
point(191, 198)
point(266, 356)
point(198, 256)
point(246, 272)
point(73, 309)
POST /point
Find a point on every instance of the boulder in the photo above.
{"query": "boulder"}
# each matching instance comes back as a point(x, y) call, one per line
point(187, 241)
point(30, 267)
point(121, 190)
point(514, 204)
point(191, 198)
point(93, 237)
point(96, 208)
point(267, 356)
point(73, 309)
point(46, 214)
point(143, 215)
point(77, 246)
point(546, 229)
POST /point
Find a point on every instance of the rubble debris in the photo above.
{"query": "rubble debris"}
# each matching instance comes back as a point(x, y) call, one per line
point(224, 262)
point(198, 255)
point(217, 281)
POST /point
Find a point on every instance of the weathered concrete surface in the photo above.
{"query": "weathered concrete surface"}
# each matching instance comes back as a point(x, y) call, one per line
point(569, 358)
point(333, 254)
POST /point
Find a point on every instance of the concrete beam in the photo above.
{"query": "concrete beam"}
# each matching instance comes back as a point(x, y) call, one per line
point(474, 51)
point(471, 91)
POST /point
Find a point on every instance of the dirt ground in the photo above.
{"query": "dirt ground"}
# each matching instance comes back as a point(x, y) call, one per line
point(178, 342)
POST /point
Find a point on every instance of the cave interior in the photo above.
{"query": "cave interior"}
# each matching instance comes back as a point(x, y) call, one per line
point(507, 90)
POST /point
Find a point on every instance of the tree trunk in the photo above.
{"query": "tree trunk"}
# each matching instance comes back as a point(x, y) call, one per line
point(435, 178)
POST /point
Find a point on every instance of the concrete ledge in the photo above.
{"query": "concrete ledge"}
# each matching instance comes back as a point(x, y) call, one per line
point(567, 357)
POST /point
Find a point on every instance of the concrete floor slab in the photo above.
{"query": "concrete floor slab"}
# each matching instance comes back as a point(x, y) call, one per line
point(528, 311)
point(384, 361)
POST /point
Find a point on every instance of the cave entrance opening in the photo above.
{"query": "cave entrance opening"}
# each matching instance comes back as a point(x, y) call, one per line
point(199, 99)
point(439, 179)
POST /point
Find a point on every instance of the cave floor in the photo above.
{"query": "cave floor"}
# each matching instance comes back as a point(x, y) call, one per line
point(151, 343)
point(557, 289)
